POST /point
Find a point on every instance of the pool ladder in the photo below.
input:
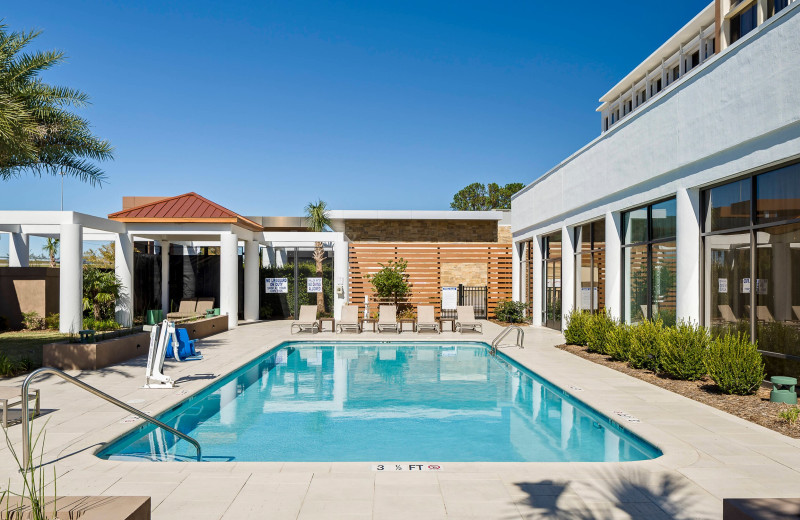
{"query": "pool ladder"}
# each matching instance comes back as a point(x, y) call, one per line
point(506, 331)
point(77, 382)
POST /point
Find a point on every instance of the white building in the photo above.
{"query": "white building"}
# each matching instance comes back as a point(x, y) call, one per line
point(687, 205)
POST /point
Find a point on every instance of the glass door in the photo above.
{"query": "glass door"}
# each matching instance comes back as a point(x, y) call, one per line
point(552, 303)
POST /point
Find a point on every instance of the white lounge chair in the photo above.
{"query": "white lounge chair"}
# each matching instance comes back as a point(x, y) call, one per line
point(12, 395)
point(466, 319)
point(307, 321)
point(796, 310)
point(727, 313)
point(349, 320)
point(387, 319)
point(426, 320)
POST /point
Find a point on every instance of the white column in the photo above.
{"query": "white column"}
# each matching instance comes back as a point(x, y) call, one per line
point(688, 244)
point(613, 265)
point(251, 285)
point(70, 307)
point(567, 273)
point(165, 276)
point(515, 272)
point(341, 276)
point(761, 12)
point(229, 278)
point(18, 250)
point(123, 267)
point(537, 294)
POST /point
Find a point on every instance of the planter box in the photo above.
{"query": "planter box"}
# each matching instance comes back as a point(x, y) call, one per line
point(85, 508)
point(205, 327)
point(92, 356)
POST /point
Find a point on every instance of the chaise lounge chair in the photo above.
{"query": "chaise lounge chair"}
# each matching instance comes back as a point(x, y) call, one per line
point(349, 320)
point(426, 320)
point(387, 319)
point(307, 321)
point(186, 309)
point(466, 319)
point(727, 313)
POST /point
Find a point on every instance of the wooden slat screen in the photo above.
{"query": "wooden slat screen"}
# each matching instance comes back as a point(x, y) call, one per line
point(424, 269)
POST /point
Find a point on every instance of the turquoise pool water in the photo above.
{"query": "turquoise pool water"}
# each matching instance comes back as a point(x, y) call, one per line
point(392, 401)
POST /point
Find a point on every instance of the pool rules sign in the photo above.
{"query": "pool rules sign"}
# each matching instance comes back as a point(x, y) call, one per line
point(313, 285)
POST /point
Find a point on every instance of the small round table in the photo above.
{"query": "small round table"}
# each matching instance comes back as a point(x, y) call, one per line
point(783, 390)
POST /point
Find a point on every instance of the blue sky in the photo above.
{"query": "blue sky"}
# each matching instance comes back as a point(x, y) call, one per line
point(264, 106)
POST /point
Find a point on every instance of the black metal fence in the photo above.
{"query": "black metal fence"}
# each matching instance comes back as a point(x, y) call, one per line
point(477, 296)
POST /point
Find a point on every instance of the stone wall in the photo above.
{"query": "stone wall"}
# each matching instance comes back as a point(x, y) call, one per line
point(423, 231)
point(473, 274)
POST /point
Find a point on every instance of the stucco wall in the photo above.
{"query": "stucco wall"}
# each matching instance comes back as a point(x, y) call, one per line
point(27, 289)
point(739, 111)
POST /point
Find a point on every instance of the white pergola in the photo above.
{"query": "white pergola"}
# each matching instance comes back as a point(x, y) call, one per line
point(73, 228)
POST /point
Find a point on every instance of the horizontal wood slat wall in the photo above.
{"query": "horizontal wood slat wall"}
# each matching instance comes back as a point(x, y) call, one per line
point(424, 269)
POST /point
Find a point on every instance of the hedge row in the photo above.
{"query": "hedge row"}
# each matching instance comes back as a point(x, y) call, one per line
point(684, 351)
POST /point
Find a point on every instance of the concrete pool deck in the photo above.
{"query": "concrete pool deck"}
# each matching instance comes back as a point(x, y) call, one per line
point(708, 454)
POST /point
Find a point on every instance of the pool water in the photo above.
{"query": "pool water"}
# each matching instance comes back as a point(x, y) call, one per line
point(392, 401)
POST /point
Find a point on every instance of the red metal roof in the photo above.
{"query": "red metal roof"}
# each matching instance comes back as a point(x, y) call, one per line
point(189, 207)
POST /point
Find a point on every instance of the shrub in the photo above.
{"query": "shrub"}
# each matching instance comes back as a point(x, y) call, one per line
point(600, 326)
point(93, 324)
point(683, 351)
point(790, 415)
point(646, 343)
point(618, 342)
point(735, 364)
point(32, 320)
point(577, 330)
point(510, 311)
point(51, 321)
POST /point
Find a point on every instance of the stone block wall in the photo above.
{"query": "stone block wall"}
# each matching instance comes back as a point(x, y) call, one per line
point(423, 231)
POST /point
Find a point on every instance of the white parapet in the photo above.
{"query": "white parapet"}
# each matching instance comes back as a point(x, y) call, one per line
point(123, 267)
point(229, 278)
point(71, 279)
point(251, 286)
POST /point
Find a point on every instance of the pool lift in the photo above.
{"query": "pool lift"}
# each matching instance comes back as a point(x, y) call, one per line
point(160, 335)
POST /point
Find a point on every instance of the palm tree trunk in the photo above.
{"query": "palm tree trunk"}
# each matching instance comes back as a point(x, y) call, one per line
point(319, 254)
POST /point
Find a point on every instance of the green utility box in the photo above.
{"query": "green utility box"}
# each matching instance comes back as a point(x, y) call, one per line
point(154, 316)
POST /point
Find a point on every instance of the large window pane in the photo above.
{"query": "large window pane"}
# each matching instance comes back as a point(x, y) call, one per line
point(778, 195)
point(663, 282)
point(599, 272)
point(777, 289)
point(553, 245)
point(635, 226)
point(583, 263)
point(636, 297)
point(663, 215)
point(728, 206)
point(728, 283)
point(583, 236)
point(598, 234)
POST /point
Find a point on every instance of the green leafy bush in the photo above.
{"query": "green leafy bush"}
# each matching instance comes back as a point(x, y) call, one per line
point(577, 330)
point(510, 311)
point(790, 415)
point(618, 342)
point(735, 364)
point(32, 320)
point(684, 350)
point(93, 324)
point(51, 321)
point(600, 326)
point(646, 345)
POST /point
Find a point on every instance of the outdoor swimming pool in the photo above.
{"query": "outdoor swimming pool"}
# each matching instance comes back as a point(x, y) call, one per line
point(384, 401)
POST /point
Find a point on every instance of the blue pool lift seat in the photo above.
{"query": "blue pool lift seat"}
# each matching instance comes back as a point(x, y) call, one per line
point(186, 351)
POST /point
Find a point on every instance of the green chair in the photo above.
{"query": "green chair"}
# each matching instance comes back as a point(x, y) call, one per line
point(783, 390)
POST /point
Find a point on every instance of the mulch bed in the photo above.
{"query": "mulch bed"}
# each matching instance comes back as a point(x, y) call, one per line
point(754, 408)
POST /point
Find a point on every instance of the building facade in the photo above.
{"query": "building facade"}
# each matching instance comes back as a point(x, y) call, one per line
point(687, 206)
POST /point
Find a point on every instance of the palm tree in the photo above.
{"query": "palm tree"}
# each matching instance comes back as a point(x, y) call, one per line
point(101, 289)
point(38, 133)
point(51, 247)
point(317, 219)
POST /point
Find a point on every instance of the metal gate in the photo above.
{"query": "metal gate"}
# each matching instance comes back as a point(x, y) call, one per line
point(477, 296)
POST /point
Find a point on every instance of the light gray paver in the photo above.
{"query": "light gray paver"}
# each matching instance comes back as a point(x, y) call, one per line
point(708, 454)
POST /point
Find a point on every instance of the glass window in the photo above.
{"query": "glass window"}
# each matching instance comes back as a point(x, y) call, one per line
point(743, 23)
point(778, 195)
point(663, 219)
point(663, 282)
point(598, 234)
point(728, 206)
point(590, 266)
point(553, 245)
point(635, 226)
point(728, 283)
point(636, 293)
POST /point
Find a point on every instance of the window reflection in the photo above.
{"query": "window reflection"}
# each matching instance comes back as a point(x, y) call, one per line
point(778, 195)
point(728, 206)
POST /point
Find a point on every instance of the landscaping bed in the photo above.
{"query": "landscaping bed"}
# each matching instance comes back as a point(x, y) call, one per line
point(754, 408)
point(25, 347)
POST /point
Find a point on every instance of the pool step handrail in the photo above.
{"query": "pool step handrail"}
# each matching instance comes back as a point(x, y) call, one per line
point(89, 388)
point(505, 332)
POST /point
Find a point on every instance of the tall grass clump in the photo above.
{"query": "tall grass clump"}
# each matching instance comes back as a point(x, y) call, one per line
point(735, 364)
point(577, 330)
point(600, 326)
point(683, 352)
point(618, 342)
point(646, 344)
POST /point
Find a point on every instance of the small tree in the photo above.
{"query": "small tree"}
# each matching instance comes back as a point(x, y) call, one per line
point(51, 248)
point(391, 282)
point(100, 291)
point(317, 219)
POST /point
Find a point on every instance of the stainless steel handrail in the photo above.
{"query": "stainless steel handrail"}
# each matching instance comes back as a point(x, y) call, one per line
point(77, 382)
point(505, 332)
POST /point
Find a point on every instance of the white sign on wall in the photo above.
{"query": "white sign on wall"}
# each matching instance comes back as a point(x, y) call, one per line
point(762, 285)
point(449, 298)
point(276, 285)
point(314, 285)
point(723, 285)
point(745, 286)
